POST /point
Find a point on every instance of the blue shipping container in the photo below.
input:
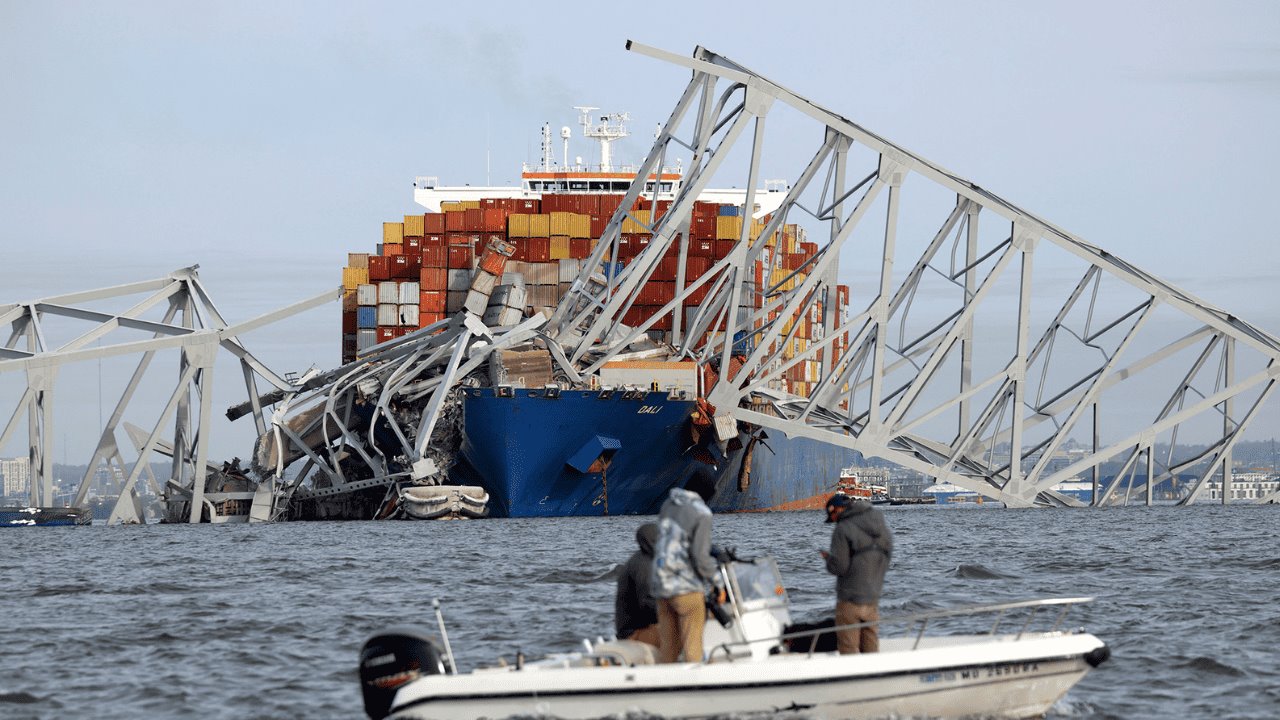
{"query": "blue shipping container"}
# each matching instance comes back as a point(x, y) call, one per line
point(730, 210)
point(366, 317)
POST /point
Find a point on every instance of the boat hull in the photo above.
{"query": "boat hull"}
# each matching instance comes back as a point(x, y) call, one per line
point(990, 679)
point(532, 453)
point(44, 517)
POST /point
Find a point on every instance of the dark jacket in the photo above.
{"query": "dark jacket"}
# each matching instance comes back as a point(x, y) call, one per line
point(861, 546)
point(633, 605)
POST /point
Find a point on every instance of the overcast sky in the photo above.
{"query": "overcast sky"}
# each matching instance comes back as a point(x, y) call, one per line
point(265, 140)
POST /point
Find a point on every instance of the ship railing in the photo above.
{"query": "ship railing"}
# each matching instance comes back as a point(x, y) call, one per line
point(426, 182)
point(1001, 612)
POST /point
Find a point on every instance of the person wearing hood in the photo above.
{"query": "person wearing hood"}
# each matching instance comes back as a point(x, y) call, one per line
point(635, 612)
point(861, 546)
point(684, 569)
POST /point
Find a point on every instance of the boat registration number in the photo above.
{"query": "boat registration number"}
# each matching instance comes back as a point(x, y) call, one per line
point(980, 673)
point(649, 410)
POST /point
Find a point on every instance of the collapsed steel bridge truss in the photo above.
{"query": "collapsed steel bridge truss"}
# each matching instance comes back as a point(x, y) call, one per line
point(985, 347)
point(187, 321)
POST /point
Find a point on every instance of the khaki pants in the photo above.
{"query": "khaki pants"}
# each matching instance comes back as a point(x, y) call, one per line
point(647, 635)
point(680, 623)
point(853, 640)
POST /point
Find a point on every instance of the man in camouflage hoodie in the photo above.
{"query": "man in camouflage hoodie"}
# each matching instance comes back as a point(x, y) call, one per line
point(683, 569)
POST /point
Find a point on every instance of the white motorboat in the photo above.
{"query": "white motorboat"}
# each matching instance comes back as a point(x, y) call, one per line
point(752, 665)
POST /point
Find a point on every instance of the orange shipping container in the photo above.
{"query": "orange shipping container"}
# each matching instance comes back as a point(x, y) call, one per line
point(426, 318)
point(436, 257)
point(389, 250)
point(460, 257)
point(455, 221)
point(432, 301)
point(493, 220)
point(474, 219)
point(433, 224)
point(433, 278)
point(493, 263)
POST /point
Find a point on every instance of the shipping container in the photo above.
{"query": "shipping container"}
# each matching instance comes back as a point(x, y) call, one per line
point(459, 281)
point(366, 317)
point(366, 338)
point(388, 292)
point(409, 293)
point(353, 277)
point(435, 257)
point(348, 322)
point(392, 233)
point(433, 301)
point(454, 301)
point(433, 278)
point(405, 267)
point(388, 314)
point(455, 221)
point(409, 315)
point(559, 247)
point(433, 224)
point(387, 332)
point(460, 257)
point(358, 260)
point(580, 248)
point(391, 250)
point(413, 225)
point(539, 248)
point(379, 268)
point(349, 301)
point(539, 226)
point(428, 319)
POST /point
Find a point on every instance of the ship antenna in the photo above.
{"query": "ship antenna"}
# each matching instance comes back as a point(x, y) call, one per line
point(564, 136)
point(612, 127)
point(546, 147)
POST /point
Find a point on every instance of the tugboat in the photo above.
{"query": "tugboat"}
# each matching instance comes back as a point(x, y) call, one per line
point(850, 485)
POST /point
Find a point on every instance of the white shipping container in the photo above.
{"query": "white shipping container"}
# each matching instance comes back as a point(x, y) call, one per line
point(409, 314)
point(513, 278)
point(388, 292)
point(366, 339)
point(476, 301)
point(483, 283)
point(569, 269)
point(367, 295)
point(409, 293)
point(388, 314)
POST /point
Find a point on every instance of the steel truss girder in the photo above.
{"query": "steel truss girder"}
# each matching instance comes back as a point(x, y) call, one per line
point(190, 324)
point(890, 393)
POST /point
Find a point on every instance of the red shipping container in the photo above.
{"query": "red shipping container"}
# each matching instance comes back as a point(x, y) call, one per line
point(460, 257)
point(433, 278)
point(455, 221)
point(436, 257)
point(698, 296)
point(401, 331)
point(642, 203)
point(808, 249)
point(552, 202)
point(386, 332)
point(696, 267)
point(793, 261)
point(589, 204)
point(657, 293)
point(493, 263)
point(579, 248)
point(349, 322)
point(392, 249)
point(662, 323)
point(379, 268)
point(412, 246)
point(539, 250)
point(527, 205)
point(703, 227)
point(426, 318)
point(433, 223)
point(724, 247)
point(474, 220)
point(460, 238)
point(701, 207)
point(521, 249)
point(598, 224)
point(639, 243)
point(624, 248)
point(493, 220)
point(609, 204)
point(405, 267)
point(434, 241)
point(663, 206)
point(702, 249)
point(431, 301)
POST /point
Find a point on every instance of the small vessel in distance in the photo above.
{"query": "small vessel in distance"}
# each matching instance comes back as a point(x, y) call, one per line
point(18, 516)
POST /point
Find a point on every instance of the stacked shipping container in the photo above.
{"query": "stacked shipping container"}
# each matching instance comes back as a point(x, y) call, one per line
point(423, 267)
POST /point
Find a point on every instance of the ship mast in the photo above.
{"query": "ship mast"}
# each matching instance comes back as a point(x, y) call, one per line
point(612, 127)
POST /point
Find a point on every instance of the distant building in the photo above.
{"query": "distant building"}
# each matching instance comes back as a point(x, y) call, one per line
point(17, 476)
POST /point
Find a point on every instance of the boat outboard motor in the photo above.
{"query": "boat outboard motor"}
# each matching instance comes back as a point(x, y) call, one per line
point(392, 659)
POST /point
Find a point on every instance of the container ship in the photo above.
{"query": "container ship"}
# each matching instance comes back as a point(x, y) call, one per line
point(615, 443)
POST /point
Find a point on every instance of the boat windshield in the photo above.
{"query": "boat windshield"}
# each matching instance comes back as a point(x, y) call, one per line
point(758, 580)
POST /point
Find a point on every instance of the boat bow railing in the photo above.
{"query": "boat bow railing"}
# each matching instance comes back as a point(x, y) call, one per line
point(1000, 610)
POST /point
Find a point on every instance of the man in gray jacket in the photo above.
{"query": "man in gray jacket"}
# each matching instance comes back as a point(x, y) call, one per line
point(683, 569)
point(861, 546)
point(635, 613)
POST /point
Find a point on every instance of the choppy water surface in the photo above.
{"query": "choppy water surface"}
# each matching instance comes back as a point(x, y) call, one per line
point(267, 620)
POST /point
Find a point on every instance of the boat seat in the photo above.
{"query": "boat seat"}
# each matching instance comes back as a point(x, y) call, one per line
point(625, 652)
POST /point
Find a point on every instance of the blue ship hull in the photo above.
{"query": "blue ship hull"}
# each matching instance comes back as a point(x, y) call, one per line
point(43, 517)
point(588, 453)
